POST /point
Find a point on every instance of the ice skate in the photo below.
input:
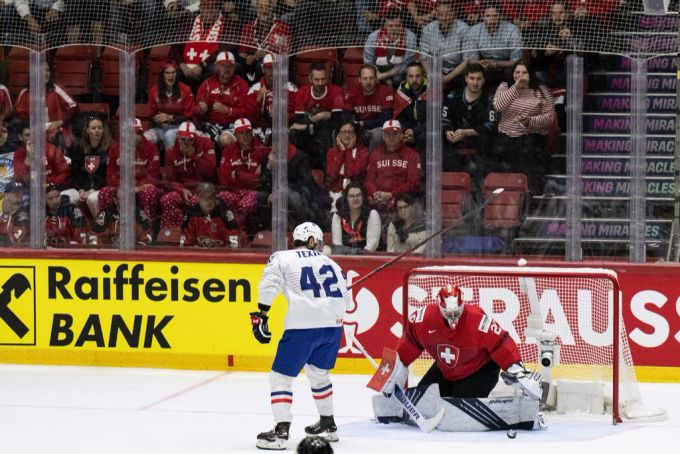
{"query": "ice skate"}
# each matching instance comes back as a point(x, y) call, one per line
point(274, 439)
point(325, 427)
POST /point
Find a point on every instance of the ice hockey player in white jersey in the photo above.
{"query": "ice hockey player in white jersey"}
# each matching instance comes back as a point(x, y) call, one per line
point(317, 295)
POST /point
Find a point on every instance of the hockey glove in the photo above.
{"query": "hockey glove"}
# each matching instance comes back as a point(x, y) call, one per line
point(260, 327)
point(391, 373)
point(520, 378)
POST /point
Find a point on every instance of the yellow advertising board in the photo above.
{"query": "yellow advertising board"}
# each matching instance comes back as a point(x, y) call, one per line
point(180, 315)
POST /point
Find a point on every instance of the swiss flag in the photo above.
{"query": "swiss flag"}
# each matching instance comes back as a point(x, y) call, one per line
point(195, 52)
point(92, 163)
point(447, 355)
point(389, 359)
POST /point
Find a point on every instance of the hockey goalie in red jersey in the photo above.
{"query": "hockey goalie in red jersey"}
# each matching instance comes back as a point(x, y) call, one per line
point(469, 348)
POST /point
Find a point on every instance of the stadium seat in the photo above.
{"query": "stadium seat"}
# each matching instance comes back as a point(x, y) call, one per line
point(262, 240)
point(305, 59)
point(352, 61)
point(455, 196)
point(98, 107)
point(17, 77)
point(109, 76)
point(154, 62)
point(506, 210)
point(73, 69)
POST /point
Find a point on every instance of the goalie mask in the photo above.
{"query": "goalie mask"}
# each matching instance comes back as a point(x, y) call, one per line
point(451, 304)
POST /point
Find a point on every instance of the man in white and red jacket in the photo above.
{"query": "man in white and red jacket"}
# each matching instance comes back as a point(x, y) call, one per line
point(221, 99)
point(393, 168)
point(190, 162)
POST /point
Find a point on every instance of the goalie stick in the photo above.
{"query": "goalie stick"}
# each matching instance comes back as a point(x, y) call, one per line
point(458, 221)
point(426, 425)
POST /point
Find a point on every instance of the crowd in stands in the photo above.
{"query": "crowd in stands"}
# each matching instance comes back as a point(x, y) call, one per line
point(203, 161)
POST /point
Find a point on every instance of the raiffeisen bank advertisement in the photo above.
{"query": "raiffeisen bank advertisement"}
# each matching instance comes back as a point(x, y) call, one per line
point(189, 315)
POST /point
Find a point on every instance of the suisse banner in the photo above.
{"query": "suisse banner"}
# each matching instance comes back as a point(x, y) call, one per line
point(196, 315)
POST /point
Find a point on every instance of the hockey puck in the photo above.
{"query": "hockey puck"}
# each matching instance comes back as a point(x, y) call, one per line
point(512, 433)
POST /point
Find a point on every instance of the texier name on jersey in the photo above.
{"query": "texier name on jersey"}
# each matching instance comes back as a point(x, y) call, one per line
point(383, 163)
point(307, 253)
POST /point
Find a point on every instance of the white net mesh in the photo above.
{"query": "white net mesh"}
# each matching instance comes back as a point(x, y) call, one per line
point(576, 304)
point(604, 26)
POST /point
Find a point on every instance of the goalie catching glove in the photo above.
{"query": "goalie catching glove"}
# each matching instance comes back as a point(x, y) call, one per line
point(520, 377)
point(391, 373)
point(260, 327)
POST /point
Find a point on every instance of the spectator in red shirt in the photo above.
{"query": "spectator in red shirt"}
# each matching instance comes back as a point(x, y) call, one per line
point(65, 224)
point(266, 34)
point(188, 163)
point(61, 108)
point(239, 171)
point(57, 169)
point(147, 175)
point(170, 103)
point(14, 219)
point(346, 161)
point(261, 95)
point(221, 99)
point(393, 168)
point(369, 103)
point(318, 112)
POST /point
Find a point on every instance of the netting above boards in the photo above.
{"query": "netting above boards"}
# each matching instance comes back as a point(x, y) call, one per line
point(293, 26)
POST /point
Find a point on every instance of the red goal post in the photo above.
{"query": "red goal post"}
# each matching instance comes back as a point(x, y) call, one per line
point(581, 306)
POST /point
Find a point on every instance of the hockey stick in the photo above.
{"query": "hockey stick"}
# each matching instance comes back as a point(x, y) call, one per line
point(458, 221)
point(426, 425)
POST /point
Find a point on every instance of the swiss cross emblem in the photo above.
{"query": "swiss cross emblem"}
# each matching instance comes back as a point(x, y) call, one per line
point(447, 355)
point(91, 163)
point(197, 51)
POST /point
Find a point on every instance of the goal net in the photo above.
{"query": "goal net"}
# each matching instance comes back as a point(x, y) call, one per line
point(575, 313)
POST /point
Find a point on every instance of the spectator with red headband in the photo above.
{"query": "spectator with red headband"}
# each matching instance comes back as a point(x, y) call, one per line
point(239, 172)
point(170, 103)
point(147, 175)
point(265, 34)
point(261, 95)
point(61, 108)
point(57, 169)
point(188, 163)
point(221, 99)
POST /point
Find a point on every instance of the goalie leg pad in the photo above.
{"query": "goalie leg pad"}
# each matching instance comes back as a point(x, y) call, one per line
point(388, 409)
point(483, 414)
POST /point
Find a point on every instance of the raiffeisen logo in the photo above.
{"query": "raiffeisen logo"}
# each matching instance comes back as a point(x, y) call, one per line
point(17, 306)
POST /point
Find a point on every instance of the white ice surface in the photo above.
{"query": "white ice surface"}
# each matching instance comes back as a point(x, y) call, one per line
point(115, 410)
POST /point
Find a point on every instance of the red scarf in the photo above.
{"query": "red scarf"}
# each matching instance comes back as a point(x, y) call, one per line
point(354, 233)
point(383, 42)
point(201, 45)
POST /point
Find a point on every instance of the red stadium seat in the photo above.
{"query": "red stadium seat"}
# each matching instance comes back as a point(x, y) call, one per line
point(455, 196)
point(109, 81)
point(305, 59)
point(154, 62)
point(17, 78)
point(99, 107)
point(506, 210)
point(262, 240)
point(73, 68)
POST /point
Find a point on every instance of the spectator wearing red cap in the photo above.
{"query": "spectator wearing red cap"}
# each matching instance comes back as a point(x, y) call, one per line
point(170, 103)
point(264, 34)
point(57, 169)
point(393, 168)
point(65, 224)
point(221, 99)
point(239, 172)
point(61, 108)
point(188, 163)
point(262, 97)
point(89, 159)
point(147, 175)
point(14, 219)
